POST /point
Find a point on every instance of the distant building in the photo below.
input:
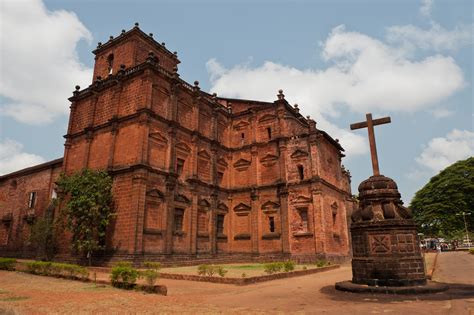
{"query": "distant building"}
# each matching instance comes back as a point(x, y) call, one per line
point(196, 176)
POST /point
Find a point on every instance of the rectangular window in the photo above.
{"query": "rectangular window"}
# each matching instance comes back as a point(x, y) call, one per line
point(334, 219)
point(220, 224)
point(220, 176)
point(178, 220)
point(32, 199)
point(179, 166)
point(269, 132)
point(271, 221)
point(304, 219)
point(301, 171)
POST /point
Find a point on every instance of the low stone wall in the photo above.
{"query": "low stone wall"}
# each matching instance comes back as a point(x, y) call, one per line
point(248, 280)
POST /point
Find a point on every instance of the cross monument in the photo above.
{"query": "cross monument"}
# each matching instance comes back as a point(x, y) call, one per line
point(369, 124)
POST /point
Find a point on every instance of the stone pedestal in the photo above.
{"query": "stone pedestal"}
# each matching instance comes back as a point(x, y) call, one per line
point(385, 245)
point(387, 253)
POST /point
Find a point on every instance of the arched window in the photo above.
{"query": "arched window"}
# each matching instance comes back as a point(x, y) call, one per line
point(110, 63)
point(301, 171)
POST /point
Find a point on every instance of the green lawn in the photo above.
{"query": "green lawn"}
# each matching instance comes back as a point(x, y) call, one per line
point(234, 270)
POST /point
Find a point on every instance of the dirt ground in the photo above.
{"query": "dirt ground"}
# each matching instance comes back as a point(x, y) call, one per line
point(312, 294)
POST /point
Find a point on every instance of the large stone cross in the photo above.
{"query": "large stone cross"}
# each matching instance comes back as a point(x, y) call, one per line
point(369, 124)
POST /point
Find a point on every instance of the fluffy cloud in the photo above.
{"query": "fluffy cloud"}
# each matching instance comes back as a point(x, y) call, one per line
point(38, 60)
point(444, 151)
point(12, 157)
point(425, 8)
point(365, 74)
point(437, 37)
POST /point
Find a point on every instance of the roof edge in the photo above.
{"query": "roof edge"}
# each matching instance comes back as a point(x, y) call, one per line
point(33, 169)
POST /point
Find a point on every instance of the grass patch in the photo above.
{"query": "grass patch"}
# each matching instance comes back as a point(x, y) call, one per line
point(245, 267)
point(14, 298)
point(3, 292)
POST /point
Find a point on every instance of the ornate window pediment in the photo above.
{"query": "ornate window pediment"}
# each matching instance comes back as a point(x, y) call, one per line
point(222, 162)
point(299, 154)
point(183, 147)
point(270, 207)
point(222, 207)
point(203, 154)
point(155, 193)
point(158, 137)
point(204, 203)
point(301, 200)
point(242, 164)
point(269, 160)
point(242, 209)
point(181, 198)
point(267, 118)
point(241, 125)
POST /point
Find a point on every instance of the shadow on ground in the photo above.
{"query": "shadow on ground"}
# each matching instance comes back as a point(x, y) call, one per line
point(455, 291)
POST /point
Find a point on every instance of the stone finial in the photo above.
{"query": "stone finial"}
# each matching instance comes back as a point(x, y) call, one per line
point(136, 24)
point(337, 140)
point(151, 34)
point(308, 117)
point(163, 44)
point(123, 31)
point(77, 87)
point(280, 95)
point(98, 78)
point(111, 37)
point(175, 53)
point(99, 44)
point(122, 69)
point(214, 95)
point(175, 69)
point(196, 83)
point(297, 108)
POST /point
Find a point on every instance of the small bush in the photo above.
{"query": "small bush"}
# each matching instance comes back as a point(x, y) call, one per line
point(39, 267)
point(150, 276)
point(471, 251)
point(244, 275)
point(7, 264)
point(321, 263)
point(273, 267)
point(210, 270)
point(152, 265)
point(221, 271)
point(289, 266)
point(124, 276)
point(304, 267)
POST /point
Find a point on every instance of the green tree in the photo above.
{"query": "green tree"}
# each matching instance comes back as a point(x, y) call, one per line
point(88, 209)
point(43, 234)
point(439, 205)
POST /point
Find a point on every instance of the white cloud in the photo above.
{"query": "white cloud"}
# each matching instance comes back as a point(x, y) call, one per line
point(441, 113)
point(444, 151)
point(425, 8)
point(435, 38)
point(38, 59)
point(13, 159)
point(365, 75)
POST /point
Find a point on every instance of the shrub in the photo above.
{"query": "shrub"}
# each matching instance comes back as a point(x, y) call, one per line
point(221, 271)
point(152, 265)
point(471, 251)
point(244, 275)
point(124, 276)
point(46, 268)
point(304, 267)
point(39, 267)
point(210, 270)
point(7, 264)
point(150, 276)
point(321, 263)
point(273, 267)
point(289, 266)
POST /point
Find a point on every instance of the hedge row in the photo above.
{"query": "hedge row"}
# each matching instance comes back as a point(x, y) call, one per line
point(47, 268)
point(7, 264)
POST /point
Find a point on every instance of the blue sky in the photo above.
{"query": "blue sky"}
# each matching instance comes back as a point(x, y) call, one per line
point(412, 60)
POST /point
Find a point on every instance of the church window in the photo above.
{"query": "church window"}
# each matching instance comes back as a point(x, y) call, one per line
point(271, 221)
point(301, 172)
point(179, 166)
point(32, 199)
point(269, 132)
point(110, 63)
point(334, 217)
point(220, 224)
point(220, 176)
point(304, 218)
point(242, 135)
point(178, 220)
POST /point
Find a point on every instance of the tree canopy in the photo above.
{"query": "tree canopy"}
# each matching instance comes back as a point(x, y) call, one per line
point(88, 208)
point(439, 205)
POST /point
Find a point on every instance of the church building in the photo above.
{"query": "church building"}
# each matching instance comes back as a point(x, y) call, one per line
point(195, 176)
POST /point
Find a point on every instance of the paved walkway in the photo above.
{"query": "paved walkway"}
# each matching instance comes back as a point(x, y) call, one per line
point(454, 267)
point(312, 294)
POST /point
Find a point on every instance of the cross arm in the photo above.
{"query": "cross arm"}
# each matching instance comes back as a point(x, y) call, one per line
point(380, 121)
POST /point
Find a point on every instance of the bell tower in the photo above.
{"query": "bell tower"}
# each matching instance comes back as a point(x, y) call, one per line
point(129, 49)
